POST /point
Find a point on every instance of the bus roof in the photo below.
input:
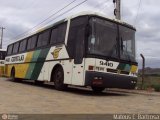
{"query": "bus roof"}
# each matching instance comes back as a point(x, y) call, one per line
point(89, 13)
point(101, 15)
point(3, 50)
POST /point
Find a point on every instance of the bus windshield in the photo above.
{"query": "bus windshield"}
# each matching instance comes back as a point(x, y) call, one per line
point(105, 41)
point(127, 40)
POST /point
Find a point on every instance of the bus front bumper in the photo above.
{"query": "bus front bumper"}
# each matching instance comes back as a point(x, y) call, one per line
point(109, 80)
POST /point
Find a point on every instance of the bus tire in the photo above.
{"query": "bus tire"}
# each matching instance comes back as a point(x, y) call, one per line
point(13, 75)
point(58, 78)
point(98, 89)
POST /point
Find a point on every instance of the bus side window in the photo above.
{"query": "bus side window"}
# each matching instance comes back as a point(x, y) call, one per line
point(54, 36)
point(1, 56)
point(43, 38)
point(61, 33)
point(32, 42)
point(58, 34)
point(4, 55)
point(15, 48)
point(9, 50)
point(22, 47)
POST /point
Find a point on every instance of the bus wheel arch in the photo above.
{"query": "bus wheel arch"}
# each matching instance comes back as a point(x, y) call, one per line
point(12, 74)
point(57, 76)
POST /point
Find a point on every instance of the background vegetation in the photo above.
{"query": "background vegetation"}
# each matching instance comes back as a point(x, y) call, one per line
point(151, 82)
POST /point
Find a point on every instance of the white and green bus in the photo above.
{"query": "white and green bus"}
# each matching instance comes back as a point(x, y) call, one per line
point(87, 49)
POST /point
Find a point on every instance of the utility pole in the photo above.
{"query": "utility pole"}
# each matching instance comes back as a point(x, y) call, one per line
point(117, 10)
point(143, 69)
point(1, 42)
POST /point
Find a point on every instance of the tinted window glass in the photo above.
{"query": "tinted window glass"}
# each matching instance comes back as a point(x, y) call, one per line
point(15, 47)
point(61, 33)
point(127, 40)
point(54, 35)
point(43, 38)
point(23, 45)
point(9, 50)
point(2, 55)
point(103, 38)
point(58, 34)
point(32, 42)
point(76, 36)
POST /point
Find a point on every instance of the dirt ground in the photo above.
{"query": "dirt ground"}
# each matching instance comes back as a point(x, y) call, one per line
point(28, 98)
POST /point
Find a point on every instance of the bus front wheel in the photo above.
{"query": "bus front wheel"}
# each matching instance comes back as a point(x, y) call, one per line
point(98, 89)
point(59, 79)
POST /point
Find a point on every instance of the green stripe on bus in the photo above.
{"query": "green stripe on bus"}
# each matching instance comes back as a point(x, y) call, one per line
point(32, 65)
point(39, 64)
point(30, 70)
point(36, 55)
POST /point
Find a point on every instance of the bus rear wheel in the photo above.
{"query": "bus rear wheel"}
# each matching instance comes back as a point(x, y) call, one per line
point(13, 75)
point(98, 89)
point(59, 79)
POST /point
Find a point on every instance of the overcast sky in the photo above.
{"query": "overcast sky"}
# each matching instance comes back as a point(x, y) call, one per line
point(19, 16)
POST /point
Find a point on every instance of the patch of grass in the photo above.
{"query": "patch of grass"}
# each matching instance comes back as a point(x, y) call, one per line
point(149, 82)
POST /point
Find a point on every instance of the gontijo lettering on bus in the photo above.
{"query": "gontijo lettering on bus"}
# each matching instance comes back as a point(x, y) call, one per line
point(16, 59)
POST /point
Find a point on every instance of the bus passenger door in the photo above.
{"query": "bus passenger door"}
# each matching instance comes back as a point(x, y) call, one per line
point(75, 46)
point(78, 65)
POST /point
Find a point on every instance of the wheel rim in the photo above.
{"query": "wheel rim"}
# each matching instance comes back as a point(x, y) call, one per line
point(58, 77)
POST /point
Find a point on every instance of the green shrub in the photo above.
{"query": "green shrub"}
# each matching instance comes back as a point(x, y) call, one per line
point(157, 88)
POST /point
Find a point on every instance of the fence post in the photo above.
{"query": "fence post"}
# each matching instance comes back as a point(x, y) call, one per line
point(143, 69)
